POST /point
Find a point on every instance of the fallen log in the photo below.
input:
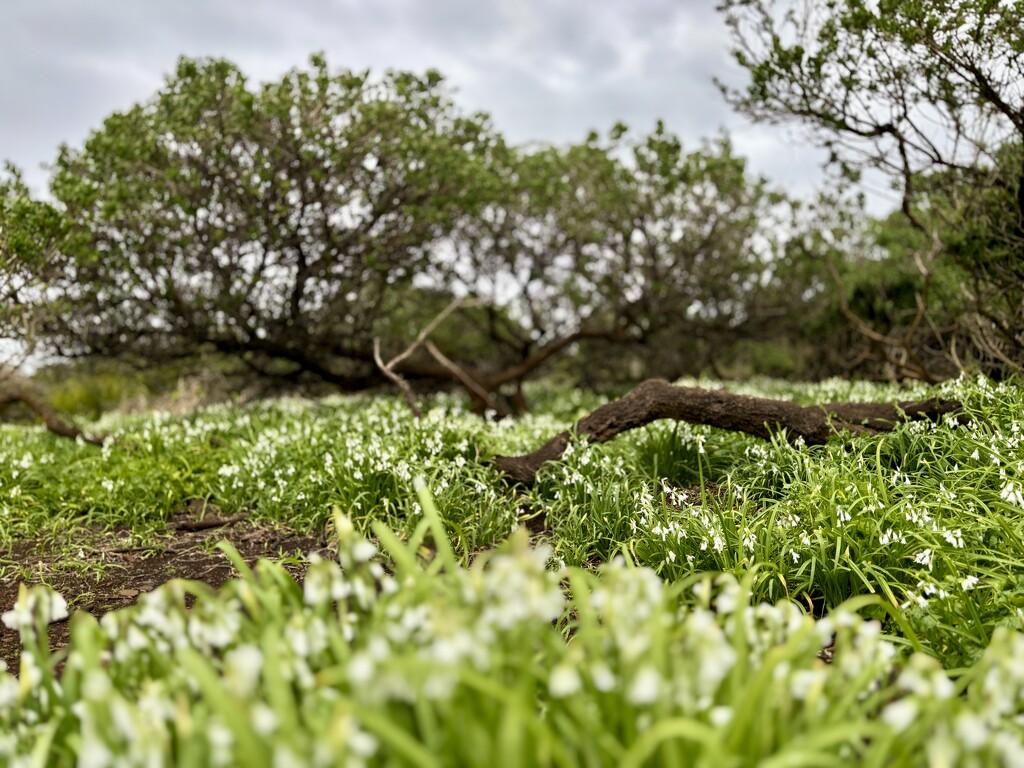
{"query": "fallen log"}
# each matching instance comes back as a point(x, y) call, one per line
point(656, 399)
point(14, 389)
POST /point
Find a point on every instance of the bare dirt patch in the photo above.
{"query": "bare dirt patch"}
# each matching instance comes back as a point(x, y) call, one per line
point(111, 574)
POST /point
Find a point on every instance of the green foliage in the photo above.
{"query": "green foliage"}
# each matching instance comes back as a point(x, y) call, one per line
point(900, 515)
point(635, 247)
point(89, 390)
point(434, 663)
point(285, 223)
point(271, 221)
point(529, 649)
point(92, 387)
point(29, 232)
point(926, 93)
point(93, 395)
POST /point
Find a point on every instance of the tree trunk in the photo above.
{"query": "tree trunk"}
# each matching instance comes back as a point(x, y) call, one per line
point(657, 399)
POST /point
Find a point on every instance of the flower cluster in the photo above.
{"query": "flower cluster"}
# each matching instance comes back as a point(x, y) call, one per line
point(365, 662)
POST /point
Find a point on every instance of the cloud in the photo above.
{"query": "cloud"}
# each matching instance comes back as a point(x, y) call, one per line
point(547, 71)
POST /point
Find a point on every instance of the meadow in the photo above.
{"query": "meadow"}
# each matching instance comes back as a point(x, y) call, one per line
point(678, 596)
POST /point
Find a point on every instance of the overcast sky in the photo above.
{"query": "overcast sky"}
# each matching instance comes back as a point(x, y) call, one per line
point(546, 71)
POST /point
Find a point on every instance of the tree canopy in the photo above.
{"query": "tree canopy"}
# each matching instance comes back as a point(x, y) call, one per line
point(31, 232)
point(927, 93)
point(311, 226)
point(299, 224)
point(269, 222)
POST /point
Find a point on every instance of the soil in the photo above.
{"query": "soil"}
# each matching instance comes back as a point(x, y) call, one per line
point(123, 572)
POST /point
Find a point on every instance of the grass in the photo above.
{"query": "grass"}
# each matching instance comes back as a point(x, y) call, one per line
point(727, 563)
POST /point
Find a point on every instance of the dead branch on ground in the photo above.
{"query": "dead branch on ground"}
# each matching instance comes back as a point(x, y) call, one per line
point(15, 389)
point(656, 399)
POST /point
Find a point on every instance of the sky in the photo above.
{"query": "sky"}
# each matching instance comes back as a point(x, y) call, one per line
point(546, 71)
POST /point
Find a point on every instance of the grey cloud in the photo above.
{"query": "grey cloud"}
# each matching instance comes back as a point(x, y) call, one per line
point(546, 70)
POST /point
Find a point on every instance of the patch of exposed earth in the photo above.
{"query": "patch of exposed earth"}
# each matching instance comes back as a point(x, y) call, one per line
point(111, 573)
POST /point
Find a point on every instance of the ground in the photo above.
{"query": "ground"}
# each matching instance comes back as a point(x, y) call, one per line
point(188, 550)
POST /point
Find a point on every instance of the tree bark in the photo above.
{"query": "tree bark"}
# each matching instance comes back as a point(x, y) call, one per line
point(657, 399)
point(16, 390)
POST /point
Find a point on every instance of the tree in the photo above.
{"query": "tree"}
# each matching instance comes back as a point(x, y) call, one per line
point(927, 93)
point(706, 242)
point(310, 227)
point(624, 247)
point(865, 294)
point(30, 234)
point(273, 223)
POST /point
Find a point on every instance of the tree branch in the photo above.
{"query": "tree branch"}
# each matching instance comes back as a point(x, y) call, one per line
point(656, 399)
point(402, 384)
point(388, 368)
point(471, 384)
point(17, 390)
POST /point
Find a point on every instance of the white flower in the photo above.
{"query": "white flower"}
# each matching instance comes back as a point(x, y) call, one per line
point(971, 730)
point(92, 750)
point(20, 615)
point(564, 681)
point(52, 605)
point(728, 598)
point(8, 691)
point(264, 721)
point(955, 538)
point(921, 600)
point(924, 557)
point(804, 681)
point(1009, 746)
point(749, 540)
point(900, 714)
point(214, 631)
point(242, 666)
point(95, 686)
point(361, 742)
point(890, 536)
point(1012, 494)
point(969, 582)
point(646, 686)
point(363, 550)
point(925, 678)
point(57, 607)
point(360, 669)
point(603, 677)
point(220, 740)
point(720, 716)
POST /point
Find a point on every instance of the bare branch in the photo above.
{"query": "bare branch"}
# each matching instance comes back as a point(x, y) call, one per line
point(402, 384)
point(14, 389)
point(656, 399)
point(471, 385)
point(388, 368)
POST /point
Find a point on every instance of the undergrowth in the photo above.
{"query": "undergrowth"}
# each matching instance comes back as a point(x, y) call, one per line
point(920, 531)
